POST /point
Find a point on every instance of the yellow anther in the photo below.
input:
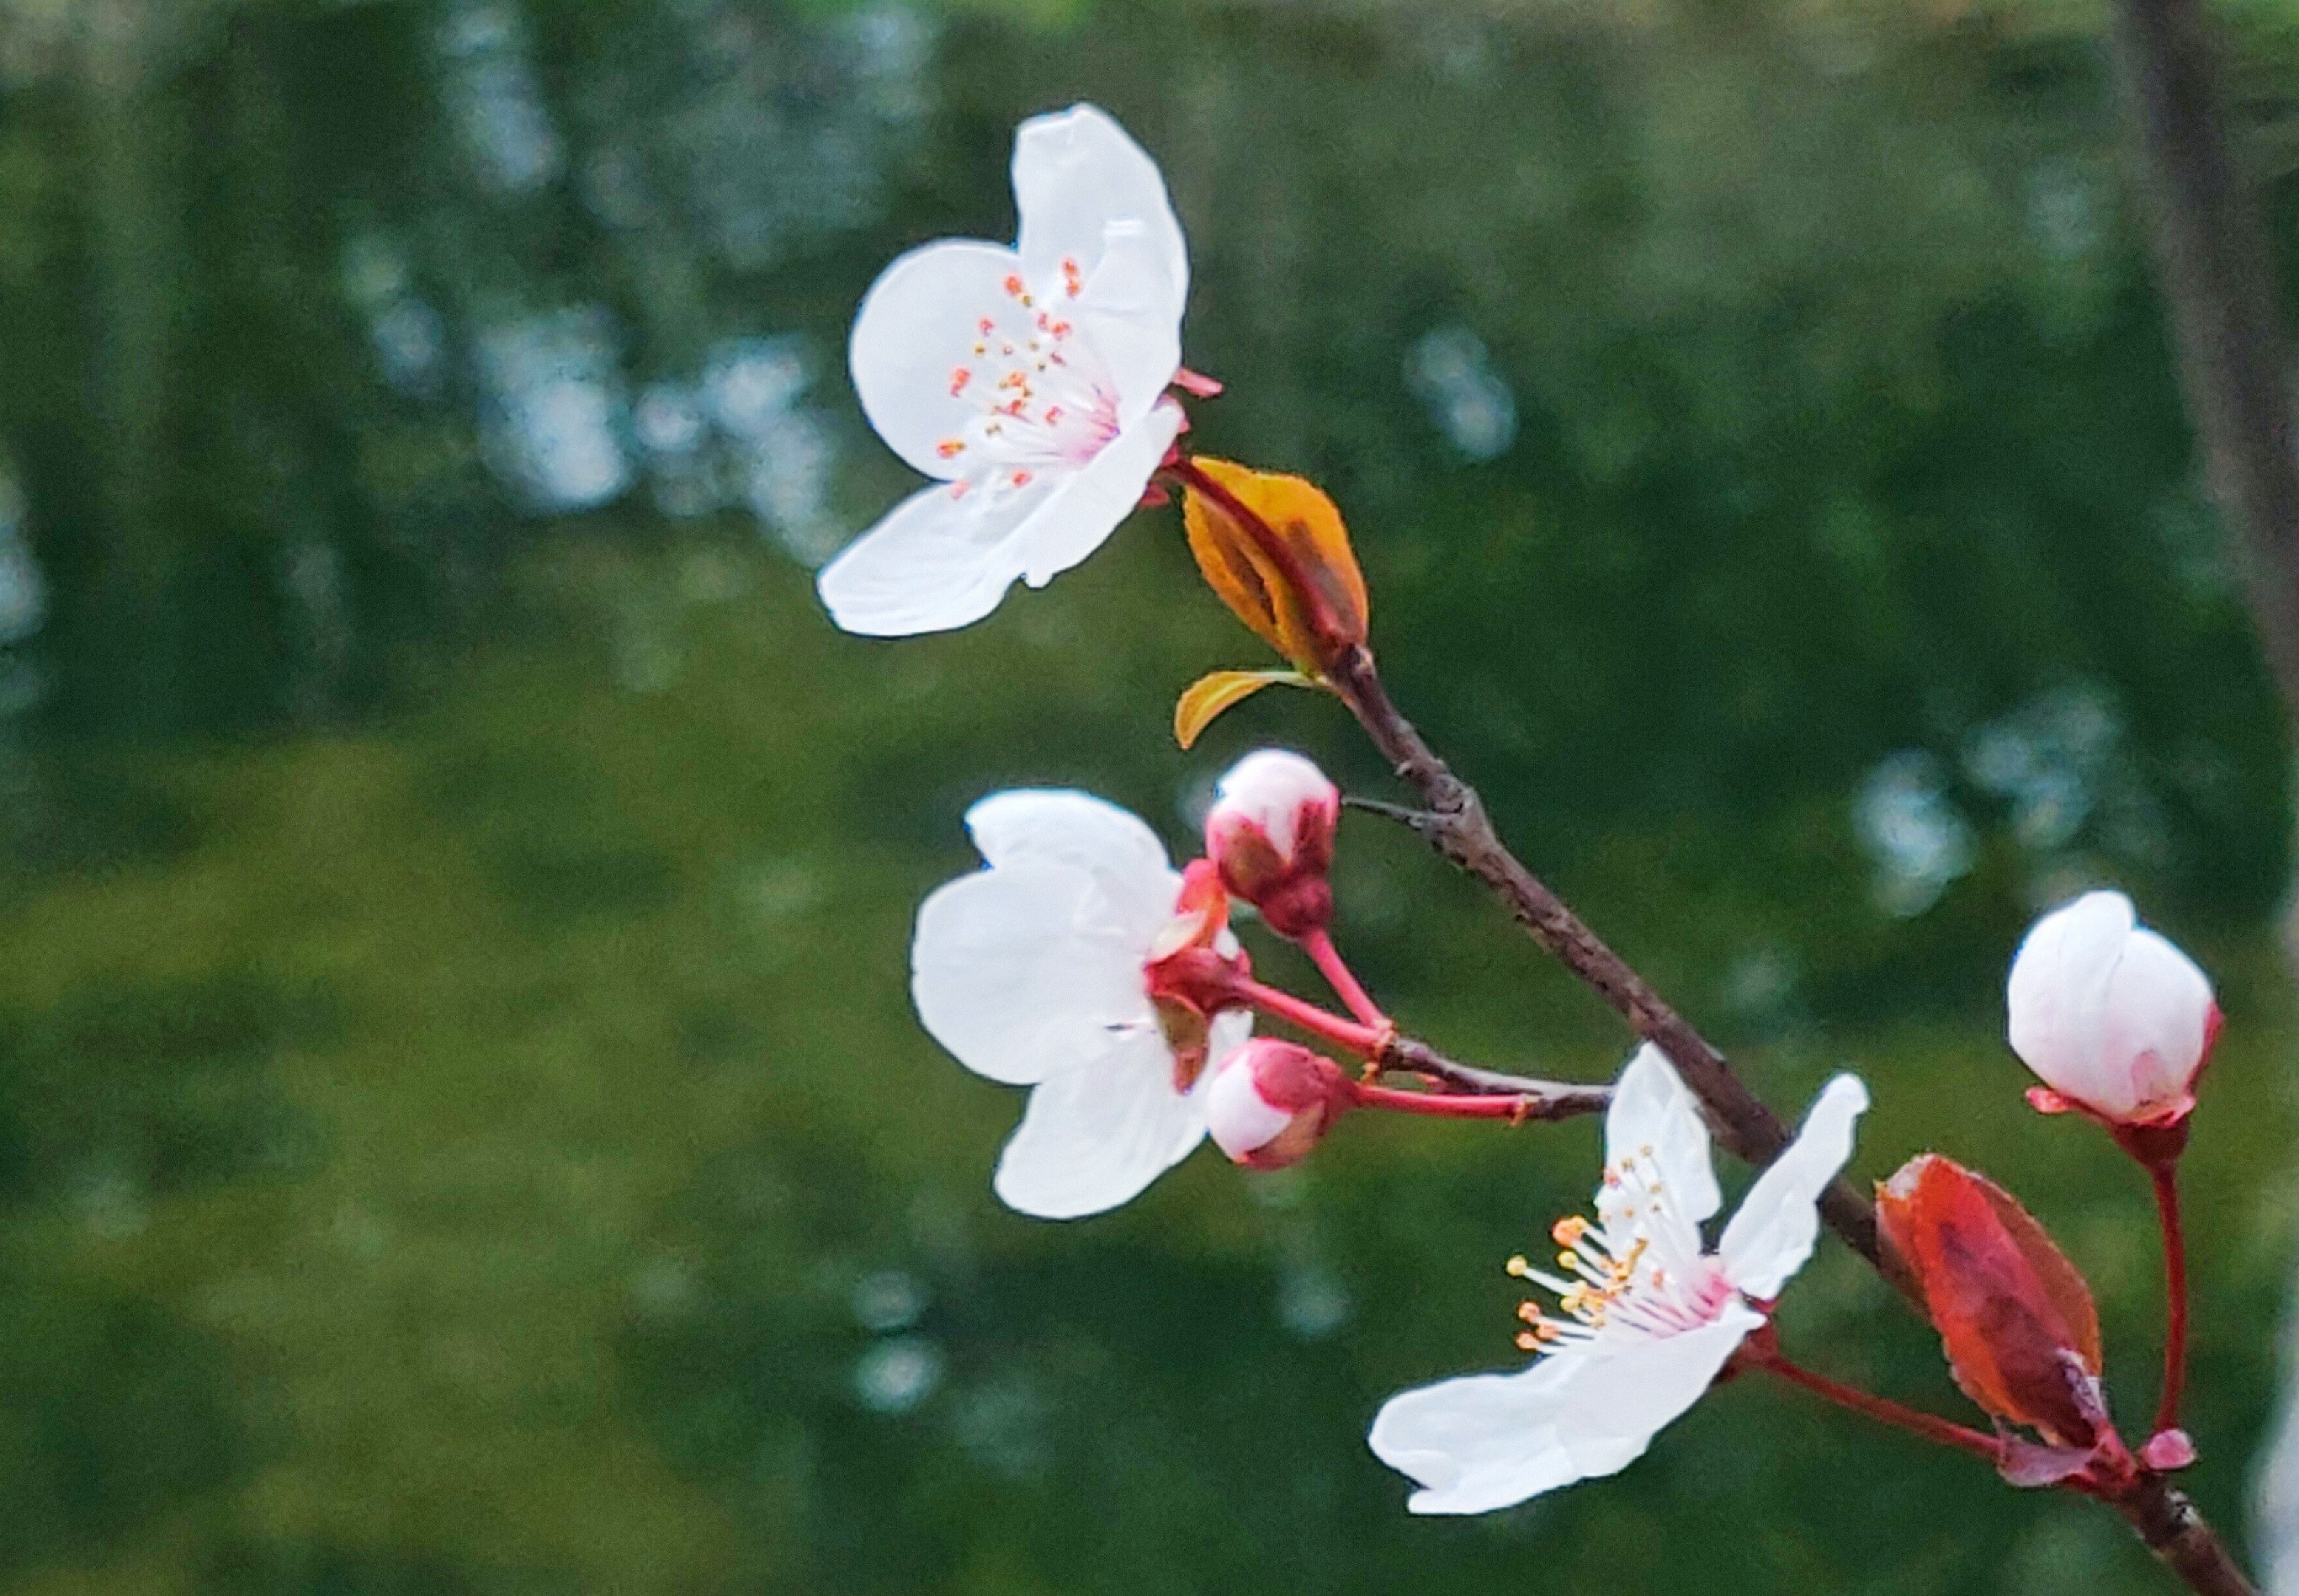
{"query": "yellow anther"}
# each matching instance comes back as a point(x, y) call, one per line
point(1568, 1231)
point(1519, 1266)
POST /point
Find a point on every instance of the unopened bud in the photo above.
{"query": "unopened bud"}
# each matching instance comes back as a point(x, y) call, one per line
point(2114, 1020)
point(1271, 833)
point(2015, 1318)
point(1271, 1102)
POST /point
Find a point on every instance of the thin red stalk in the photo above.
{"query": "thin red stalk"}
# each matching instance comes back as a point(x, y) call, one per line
point(1444, 1105)
point(1339, 976)
point(2165, 1176)
point(1525, 1096)
point(1883, 1409)
point(1365, 1041)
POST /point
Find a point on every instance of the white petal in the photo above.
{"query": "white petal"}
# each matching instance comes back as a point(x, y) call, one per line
point(1237, 1117)
point(1020, 972)
point(1094, 1137)
point(1056, 825)
point(1634, 1386)
point(1084, 508)
point(1481, 1441)
point(2106, 1012)
point(2056, 994)
point(1491, 1441)
point(1081, 185)
point(1229, 1032)
point(934, 563)
point(1266, 791)
point(1130, 320)
point(1652, 1109)
point(1778, 1222)
point(2158, 1016)
point(916, 325)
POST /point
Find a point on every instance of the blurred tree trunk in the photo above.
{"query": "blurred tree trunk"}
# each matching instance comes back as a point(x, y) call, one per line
point(135, 248)
point(2217, 274)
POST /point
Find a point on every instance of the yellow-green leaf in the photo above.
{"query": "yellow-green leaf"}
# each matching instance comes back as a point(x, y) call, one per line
point(1204, 699)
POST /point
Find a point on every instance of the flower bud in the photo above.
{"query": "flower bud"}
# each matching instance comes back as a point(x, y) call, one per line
point(1271, 1102)
point(2015, 1319)
point(2113, 1019)
point(1271, 832)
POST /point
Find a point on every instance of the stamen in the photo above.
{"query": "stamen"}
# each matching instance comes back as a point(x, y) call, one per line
point(1633, 1273)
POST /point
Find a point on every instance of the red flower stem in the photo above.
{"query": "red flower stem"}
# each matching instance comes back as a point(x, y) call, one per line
point(1519, 1097)
point(1883, 1409)
point(1338, 975)
point(1367, 1042)
point(1444, 1105)
point(2165, 1176)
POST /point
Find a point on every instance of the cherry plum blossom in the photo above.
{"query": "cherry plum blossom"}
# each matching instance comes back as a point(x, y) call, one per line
point(1029, 379)
point(1645, 1316)
point(1036, 970)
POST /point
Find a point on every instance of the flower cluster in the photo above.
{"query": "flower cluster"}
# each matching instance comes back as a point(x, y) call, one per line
point(1042, 385)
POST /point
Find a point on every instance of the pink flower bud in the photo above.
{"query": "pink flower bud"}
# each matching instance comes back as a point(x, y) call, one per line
point(1271, 1103)
point(1270, 832)
point(2115, 1020)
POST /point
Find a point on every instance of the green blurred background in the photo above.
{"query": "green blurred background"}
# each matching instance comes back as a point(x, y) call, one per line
point(461, 1125)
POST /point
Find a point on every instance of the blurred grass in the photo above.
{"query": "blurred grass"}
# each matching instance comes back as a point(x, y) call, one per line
point(536, 1081)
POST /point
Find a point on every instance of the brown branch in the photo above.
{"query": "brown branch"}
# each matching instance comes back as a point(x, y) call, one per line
point(2169, 1525)
point(1455, 824)
point(1544, 1099)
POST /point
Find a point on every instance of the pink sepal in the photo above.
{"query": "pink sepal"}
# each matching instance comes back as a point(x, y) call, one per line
point(2167, 1450)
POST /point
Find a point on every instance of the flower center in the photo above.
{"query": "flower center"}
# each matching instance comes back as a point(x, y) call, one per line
point(1639, 1269)
point(1043, 397)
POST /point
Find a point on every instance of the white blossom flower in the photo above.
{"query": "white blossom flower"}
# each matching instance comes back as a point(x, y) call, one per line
point(2113, 1018)
point(1645, 1317)
point(1036, 971)
point(1030, 380)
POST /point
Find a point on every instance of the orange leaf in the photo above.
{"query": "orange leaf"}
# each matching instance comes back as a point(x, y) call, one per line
point(1203, 701)
point(2015, 1318)
point(1297, 583)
